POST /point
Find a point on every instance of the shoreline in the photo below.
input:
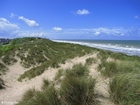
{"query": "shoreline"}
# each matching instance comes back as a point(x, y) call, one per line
point(130, 51)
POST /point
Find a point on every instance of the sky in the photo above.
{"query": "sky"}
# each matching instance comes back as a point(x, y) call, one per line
point(70, 19)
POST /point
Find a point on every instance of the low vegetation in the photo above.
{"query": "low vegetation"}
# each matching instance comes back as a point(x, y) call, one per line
point(39, 54)
point(3, 69)
point(90, 61)
point(125, 89)
point(73, 86)
point(1, 83)
point(76, 88)
point(123, 71)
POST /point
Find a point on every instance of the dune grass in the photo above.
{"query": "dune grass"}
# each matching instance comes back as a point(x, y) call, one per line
point(3, 69)
point(125, 89)
point(111, 68)
point(48, 54)
point(58, 75)
point(77, 89)
point(91, 60)
point(123, 71)
point(76, 86)
point(1, 83)
point(46, 83)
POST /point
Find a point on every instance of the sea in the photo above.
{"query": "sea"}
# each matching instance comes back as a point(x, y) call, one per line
point(129, 47)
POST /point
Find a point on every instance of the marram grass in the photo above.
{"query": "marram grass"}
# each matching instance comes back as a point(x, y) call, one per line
point(125, 89)
point(75, 89)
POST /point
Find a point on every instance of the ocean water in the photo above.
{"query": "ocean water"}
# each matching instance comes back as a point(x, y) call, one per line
point(129, 47)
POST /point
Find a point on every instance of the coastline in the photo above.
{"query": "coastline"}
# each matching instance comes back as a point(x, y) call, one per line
point(129, 47)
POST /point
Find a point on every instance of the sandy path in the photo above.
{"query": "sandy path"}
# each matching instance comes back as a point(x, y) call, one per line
point(15, 89)
point(101, 86)
point(13, 93)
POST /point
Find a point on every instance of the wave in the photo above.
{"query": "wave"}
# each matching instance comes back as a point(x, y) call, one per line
point(127, 49)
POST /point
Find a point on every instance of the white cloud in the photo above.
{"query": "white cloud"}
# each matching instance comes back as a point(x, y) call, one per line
point(31, 34)
point(4, 20)
point(7, 28)
point(12, 15)
point(57, 28)
point(83, 12)
point(107, 31)
point(137, 17)
point(97, 33)
point(30, 23)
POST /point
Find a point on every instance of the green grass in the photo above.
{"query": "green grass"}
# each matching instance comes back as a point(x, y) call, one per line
point(40, 54)
point(78, 91)
point(125, 89)
point(58, 75)
point(111, 68)
point(90, 61)
point(47, 54)
point(46, 83)
point(75, 89)
point(123, 70)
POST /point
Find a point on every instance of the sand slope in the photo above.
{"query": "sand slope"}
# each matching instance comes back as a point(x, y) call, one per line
point(14, 90)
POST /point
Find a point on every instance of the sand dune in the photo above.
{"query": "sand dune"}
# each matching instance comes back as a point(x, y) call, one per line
point(14, 90)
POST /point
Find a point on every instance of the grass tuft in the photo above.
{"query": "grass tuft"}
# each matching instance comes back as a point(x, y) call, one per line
point(89, 61)
point(75, 89)
point(46, 83)
point(125, 89)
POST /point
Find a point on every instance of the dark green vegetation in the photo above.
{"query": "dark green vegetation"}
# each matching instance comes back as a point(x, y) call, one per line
point(1, 83)
point(76, 88)
point(124, 73)
point(3, 69)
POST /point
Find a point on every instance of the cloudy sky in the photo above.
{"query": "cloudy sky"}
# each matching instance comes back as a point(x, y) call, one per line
point(70, 19)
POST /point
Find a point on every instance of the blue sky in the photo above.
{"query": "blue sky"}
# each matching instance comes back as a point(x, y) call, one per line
point(70, 19)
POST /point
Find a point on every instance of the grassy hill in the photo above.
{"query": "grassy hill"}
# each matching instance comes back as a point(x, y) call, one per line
point(38, 54)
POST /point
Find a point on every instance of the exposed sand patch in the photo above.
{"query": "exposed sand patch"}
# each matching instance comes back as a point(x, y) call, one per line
point(15, 90)
point(101, 87)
